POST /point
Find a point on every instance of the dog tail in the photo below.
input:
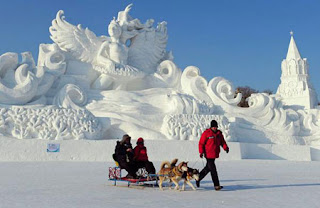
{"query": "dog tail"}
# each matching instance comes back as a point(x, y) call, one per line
point(165, 163)
point(174, 162)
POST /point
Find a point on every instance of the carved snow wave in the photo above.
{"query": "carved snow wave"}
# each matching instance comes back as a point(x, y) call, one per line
point(23, 82)
point(193, 84)
point(265, 113)
point(218, 91)
point(191, 126)
point(18, 84)
point(70, 96)
point(221, 92)
point(168, 73)
point(267, 110)
point(49, 123)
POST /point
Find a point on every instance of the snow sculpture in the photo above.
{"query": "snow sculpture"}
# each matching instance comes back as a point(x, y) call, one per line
point(110, 55)
point(295, 87)
point(89, 87)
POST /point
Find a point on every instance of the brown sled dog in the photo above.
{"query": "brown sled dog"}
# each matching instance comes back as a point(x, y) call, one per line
point(172, 172)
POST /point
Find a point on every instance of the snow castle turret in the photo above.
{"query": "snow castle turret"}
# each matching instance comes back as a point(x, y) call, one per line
point(295, 87)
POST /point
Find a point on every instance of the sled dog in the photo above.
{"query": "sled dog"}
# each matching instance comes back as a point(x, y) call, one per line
point(172, 172)
point(188, 176)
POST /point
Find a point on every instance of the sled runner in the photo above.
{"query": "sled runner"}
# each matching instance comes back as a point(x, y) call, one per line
point(143, 177)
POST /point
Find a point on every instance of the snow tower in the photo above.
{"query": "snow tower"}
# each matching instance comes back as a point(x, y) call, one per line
point(295, 87)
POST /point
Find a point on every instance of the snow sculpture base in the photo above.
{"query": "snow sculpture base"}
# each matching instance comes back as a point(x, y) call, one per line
point(87, 150)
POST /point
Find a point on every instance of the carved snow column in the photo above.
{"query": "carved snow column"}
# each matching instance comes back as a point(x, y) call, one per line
point(295, 87)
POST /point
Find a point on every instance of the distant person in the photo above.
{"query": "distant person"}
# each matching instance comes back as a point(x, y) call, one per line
point(124, 156)
point(141, 157)
point(209, 147)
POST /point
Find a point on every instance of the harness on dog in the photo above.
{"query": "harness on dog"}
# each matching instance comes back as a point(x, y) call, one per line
point(176, 171)
point(187, 174)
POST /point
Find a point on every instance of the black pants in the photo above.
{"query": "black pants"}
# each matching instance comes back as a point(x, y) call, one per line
point(210, 167)
point(148, 165)
point(129, 167)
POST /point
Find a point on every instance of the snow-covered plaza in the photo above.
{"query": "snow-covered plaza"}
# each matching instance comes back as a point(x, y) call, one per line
point(248, 183)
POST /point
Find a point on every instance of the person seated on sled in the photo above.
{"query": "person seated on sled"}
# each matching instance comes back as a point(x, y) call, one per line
point(124, 156)
point(141, 157)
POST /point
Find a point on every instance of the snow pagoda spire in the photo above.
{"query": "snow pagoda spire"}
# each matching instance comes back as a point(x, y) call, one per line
point(295, 87)
point(293, 52)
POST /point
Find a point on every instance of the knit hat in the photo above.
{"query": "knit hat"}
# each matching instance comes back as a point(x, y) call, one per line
point(140, 140)
point(214, 123)
point(124, 138)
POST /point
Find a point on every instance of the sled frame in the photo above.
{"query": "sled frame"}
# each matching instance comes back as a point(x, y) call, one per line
point(115, 176)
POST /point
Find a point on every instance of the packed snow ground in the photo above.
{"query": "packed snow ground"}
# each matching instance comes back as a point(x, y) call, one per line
point(248, 183)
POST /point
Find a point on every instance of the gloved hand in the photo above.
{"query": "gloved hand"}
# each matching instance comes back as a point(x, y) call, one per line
point(227, 150)
point(201, 155)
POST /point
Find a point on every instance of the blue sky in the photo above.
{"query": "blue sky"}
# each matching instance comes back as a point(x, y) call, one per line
point(243, 41)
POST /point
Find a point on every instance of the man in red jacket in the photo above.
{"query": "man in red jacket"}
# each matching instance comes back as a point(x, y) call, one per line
point(209, 146)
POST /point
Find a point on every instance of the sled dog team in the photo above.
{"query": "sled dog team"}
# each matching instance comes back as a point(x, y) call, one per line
point(209, 147)
point(171, 172)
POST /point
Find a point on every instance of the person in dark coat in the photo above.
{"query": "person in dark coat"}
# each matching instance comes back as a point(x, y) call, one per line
point(141, 157)
point(124, 156)
point(209, 147)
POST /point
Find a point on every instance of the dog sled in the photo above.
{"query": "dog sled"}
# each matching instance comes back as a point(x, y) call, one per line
point(143, 179)
point(168, 171)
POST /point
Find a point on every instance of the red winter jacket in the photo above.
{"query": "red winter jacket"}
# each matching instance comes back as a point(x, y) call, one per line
point(210, 143)
point(140, 153)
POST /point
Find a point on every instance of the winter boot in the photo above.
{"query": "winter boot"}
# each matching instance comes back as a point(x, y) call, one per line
point(218, 188)
point(198, 183)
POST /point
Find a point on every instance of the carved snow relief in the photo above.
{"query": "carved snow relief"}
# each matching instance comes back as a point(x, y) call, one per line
point(50, 123)
point(191, 126)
